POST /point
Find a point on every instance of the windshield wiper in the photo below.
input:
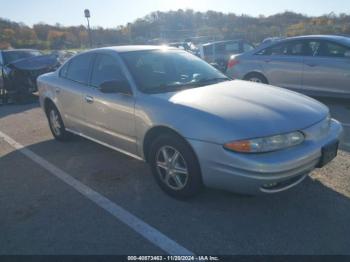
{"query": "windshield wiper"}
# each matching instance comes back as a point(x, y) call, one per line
point(166, 88)
point(209, 80)
point(171, 88)
point(206, 81)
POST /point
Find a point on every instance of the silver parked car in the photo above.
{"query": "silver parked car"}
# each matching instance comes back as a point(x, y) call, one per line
point(316, 65)
point(192, 124)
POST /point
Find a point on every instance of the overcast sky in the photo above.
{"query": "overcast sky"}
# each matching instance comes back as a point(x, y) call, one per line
point(111, 13)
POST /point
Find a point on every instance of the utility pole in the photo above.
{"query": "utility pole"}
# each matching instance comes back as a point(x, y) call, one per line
point(87, 16)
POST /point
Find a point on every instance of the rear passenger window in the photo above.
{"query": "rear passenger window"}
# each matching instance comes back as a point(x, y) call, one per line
point(106, 68)
point(79, 68)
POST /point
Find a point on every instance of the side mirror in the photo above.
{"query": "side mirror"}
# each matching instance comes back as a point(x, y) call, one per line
point(115, 86)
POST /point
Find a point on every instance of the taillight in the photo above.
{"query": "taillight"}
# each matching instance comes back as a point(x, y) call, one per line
point(232, 62)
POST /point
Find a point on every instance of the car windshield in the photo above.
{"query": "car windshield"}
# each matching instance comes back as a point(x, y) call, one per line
point(159, 71)
point(13, 56)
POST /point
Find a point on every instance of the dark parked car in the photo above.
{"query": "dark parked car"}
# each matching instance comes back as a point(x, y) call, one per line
point(19, 70)
point(220, 52)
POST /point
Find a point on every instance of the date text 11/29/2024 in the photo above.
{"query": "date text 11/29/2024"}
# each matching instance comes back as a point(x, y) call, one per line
point(173, 258)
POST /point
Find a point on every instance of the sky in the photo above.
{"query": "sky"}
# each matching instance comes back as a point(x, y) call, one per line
point(111, 13)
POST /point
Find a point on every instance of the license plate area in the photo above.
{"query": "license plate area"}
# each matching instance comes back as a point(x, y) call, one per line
point(329, 152)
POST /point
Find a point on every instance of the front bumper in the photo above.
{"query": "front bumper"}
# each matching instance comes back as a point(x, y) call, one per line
point(263, 173)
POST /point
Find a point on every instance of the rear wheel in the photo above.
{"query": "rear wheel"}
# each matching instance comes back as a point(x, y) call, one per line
point(175, 166)
point(257, 78)
point(56, 124)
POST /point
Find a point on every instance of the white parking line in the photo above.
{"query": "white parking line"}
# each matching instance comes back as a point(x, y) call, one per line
point(148, 232)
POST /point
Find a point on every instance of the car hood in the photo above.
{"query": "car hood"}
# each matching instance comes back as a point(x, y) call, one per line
point(250, 109)
point(35, 63)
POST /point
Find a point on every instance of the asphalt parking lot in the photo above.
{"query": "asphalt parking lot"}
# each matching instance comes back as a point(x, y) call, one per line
point(42, 214)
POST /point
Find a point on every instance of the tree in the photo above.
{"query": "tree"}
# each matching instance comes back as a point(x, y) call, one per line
point(160, 27)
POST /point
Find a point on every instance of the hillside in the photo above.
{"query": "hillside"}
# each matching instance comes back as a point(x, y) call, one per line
point(172, 26)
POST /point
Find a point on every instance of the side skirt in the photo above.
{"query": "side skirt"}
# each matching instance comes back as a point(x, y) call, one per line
point(106, 145)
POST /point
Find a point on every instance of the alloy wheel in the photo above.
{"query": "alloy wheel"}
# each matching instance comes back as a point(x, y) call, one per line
point(172, 168)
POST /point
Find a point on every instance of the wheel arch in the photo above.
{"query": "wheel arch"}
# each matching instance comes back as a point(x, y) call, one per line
point(157, 131)
point(47, 103)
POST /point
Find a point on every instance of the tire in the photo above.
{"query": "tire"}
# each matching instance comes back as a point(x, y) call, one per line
point(181, 179)
point(256, 77)
point(56, 124)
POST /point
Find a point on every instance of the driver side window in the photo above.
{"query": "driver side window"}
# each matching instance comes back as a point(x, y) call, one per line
point(106, 68)
point(331, 49)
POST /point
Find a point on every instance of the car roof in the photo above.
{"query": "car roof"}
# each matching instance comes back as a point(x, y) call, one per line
point(339, 38)
point(133, 48)
point(342, 39)
point(222, 42)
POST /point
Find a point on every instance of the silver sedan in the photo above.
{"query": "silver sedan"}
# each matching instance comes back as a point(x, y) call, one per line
point(316, 65)
point(193, 125)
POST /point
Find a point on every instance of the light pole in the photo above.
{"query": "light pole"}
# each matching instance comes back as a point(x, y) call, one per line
point(87, 16)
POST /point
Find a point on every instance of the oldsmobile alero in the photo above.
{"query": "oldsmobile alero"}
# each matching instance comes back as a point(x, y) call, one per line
point(193, 125)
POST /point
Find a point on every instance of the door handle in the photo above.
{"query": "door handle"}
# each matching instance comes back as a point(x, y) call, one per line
point(57, 90)
point(312, 65)
point(89, 99)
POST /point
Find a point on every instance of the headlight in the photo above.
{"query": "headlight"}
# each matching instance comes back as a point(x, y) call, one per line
point(266, 144)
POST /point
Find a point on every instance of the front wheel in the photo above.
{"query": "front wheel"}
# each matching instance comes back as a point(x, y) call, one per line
point(175, 167)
